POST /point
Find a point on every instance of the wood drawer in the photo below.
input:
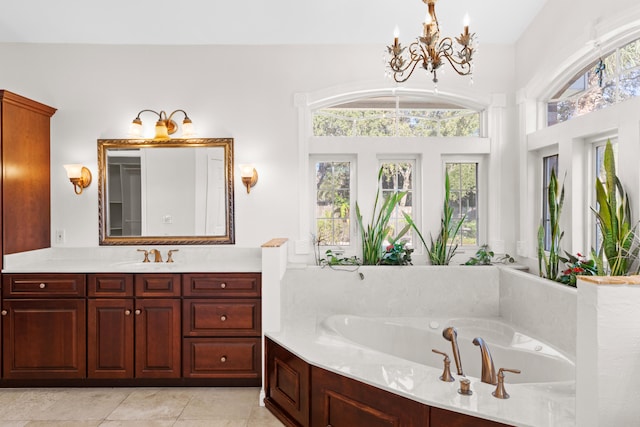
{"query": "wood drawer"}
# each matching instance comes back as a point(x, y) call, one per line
point(221, 317)
point(221, 358)
point(110, 285)
point(222, 285)
point(43, 285)
point(157, 285)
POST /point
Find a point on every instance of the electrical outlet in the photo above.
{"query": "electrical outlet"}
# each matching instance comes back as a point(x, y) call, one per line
point(60, 236)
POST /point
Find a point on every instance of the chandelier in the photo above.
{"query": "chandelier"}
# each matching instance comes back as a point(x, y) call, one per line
point(430, 51)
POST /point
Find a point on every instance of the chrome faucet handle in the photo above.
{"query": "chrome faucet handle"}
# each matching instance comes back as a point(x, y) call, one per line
point(446, 373)
point(170, 254)
point(500, 391)
point(146, 254)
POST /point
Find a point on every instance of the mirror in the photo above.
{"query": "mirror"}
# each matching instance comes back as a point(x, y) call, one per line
point(167, 192)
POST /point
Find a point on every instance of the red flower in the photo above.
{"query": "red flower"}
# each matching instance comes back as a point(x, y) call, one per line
point(389, 248)
point(578, 270)
point(580, 255)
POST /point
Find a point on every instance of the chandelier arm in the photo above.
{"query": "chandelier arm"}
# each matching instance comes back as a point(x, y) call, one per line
point(461, 66)
point(178, 111)
point(397, 74)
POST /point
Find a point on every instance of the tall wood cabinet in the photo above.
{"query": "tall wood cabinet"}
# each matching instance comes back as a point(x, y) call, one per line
point(25, 186)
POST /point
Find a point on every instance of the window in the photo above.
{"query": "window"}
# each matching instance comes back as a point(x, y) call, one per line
point(463, 198)
point(549, 163)
point(397, 176)
point(607, 81)
point(333, 202)
point(395, 116)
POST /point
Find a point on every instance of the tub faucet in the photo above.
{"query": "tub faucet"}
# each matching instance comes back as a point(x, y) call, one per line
point(488, 370)
point(450, 334)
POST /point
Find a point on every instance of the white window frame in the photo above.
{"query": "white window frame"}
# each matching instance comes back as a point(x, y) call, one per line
point(416, 191)
point(354, 240)
point(591, 146)
point(482, 197)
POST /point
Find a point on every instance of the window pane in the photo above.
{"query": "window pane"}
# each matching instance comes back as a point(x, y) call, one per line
point(395, 116)
point(597, 88)
point(463, 199)
point(333, 203)
point(397, 176)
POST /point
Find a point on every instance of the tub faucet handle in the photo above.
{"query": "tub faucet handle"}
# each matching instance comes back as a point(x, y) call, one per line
point(446, 373)
point(500, 391)
point(146, 254)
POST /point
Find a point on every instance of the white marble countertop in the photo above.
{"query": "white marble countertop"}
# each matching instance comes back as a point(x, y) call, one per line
point(129, 260)
point(529, 405)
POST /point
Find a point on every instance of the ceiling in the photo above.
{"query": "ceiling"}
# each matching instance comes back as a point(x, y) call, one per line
point(254, 21)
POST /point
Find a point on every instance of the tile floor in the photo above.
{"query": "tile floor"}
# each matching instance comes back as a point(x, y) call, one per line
point(116, 407)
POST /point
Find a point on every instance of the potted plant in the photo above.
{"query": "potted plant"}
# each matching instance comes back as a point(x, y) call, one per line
point(375, 234)
point(442, 249)
point(548, 264)
point(484, 256)
point(618, 251)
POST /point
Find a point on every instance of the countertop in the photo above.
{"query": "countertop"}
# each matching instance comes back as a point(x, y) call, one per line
point(129, 260)
point(529, 405)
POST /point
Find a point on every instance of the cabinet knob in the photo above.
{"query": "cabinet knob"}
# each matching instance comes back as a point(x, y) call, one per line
point(137, 312)
point(127, 312)
point(223, 318)
point(42, 286)
point(223, 359)
point(3, 312)
point(223, 285)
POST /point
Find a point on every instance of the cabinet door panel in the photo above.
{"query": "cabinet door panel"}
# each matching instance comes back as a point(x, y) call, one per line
point(110, 338)
point(339, 401)
point(44, 338)
point(222, 285)
point(222, 358)
point(110, 285)
point(221, 317)
point(157, 285)
point(158, 339)
point(43, 285)
point(444, 418)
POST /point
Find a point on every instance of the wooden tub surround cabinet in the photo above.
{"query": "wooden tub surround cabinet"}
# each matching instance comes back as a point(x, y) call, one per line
point(131, 329)
point(303, 395)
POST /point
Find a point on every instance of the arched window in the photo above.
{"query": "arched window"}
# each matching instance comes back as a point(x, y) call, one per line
point(611, 79)
point(396, 116)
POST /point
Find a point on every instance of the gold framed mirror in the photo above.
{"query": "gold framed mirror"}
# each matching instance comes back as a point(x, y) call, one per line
point(167, 192)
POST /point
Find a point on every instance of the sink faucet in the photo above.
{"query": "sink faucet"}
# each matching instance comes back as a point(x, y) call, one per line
point(451, 334)
point(157, 255)
point(488, 370)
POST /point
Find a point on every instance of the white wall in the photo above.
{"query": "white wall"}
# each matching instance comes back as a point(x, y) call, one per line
point(244, 92)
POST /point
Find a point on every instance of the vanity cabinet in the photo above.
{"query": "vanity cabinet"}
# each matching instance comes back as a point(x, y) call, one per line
point(134, 334)
point(303, 395)
point(222, 327)
point(43, 326)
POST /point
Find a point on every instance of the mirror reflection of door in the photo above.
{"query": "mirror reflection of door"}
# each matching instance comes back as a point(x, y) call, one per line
point(125, 214)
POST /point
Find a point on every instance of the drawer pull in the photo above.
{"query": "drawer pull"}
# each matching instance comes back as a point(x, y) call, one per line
point(223, 359)
point(137, 312)
point(127, 312)
point(3, 312)
point(42, 286)
point(223, 318)
point(223, 285)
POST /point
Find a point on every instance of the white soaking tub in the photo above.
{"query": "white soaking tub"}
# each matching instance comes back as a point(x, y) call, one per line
point(413, 338)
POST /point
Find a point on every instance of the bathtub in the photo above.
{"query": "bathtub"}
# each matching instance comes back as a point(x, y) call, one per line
point(413, 338)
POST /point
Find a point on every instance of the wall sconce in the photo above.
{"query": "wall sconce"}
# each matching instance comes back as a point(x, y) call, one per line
point(165, 126)
point(249, 176)
point(79, 176)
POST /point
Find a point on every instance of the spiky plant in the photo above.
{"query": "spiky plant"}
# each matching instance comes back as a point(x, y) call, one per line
point(443, 248)
point(618, 251)
point(548, 264)
point(378, 230)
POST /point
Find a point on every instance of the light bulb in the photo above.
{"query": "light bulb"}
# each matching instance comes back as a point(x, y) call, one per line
point(396, 32)
point(466, 20)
